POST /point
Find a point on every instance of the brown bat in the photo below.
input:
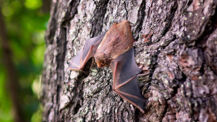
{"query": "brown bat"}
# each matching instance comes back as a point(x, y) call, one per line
point(115, 48)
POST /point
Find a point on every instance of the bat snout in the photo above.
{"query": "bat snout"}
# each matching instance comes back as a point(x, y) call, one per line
point(99, 64)
point(102, 63)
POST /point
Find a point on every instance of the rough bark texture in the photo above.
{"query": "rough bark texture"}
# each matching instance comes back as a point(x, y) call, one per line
point(176, 42)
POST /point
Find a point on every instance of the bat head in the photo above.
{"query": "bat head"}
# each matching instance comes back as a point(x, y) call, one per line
point(102, 60)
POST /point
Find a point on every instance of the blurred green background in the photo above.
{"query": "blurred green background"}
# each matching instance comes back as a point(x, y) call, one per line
point(25, 24)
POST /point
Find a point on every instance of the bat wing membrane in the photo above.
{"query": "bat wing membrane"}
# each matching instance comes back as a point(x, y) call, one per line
point(78, 62)
point(125, 72)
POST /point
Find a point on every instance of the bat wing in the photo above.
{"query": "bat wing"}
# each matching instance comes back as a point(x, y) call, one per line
point(125, 72)
point(78, 62)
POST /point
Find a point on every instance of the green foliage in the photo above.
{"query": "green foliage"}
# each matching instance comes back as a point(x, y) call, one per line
point(33, 4)
point(5, 103)
point(26, 24)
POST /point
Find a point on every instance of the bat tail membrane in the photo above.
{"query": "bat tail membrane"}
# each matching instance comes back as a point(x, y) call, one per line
point(125, 72)
point(78, 62)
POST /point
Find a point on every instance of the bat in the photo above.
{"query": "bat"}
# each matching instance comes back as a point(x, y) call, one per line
point(78, 62)
point(125, 70)
point(115, 49)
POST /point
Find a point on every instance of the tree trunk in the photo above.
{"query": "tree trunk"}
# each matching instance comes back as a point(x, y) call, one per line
point(176, 42)
point(12, 81)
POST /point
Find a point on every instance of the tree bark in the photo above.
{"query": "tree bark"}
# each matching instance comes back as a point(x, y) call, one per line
point(176, 42)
